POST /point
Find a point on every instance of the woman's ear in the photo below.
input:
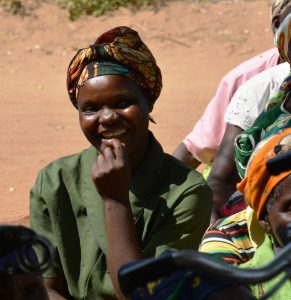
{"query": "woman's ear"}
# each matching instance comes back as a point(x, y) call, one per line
point(266, 225)
point(151, 105)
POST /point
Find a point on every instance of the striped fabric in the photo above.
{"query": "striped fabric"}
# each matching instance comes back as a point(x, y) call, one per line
point(229, 239)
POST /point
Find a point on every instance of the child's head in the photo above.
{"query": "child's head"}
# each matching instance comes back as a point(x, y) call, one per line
point(20, 271)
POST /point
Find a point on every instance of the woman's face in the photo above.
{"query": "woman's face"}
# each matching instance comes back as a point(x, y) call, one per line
point(280, 212)
point(114, 107)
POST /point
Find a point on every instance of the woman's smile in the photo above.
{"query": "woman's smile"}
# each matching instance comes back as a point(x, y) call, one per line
point(116, 133)
point(106, 138)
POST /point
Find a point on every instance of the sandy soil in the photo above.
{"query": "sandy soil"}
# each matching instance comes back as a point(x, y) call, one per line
point(195, 45)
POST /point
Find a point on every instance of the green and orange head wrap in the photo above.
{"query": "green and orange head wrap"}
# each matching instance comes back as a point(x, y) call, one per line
point(259, 183)
point(119, 51)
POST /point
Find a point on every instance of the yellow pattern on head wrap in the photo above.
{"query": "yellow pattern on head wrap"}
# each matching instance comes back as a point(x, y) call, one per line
point(117, 51)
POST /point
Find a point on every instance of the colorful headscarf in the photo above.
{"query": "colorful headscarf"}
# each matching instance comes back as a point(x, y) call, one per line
point(259, 183)
point(282, 41)
point(119, 51)
point(278, 9)
point(283, 37)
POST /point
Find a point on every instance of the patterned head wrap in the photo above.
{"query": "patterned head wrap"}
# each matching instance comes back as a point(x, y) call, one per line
point(259, 183)
point(279, 8)
point(282, 41)
point(283, 38)
point(119, 51)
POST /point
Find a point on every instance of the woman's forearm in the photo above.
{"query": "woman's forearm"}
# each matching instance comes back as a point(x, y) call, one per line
point(123, 244)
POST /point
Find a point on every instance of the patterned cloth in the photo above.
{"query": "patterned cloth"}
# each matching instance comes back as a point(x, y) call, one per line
point(283, 42)
point(267, 124)
point(119, 51)
point(259, 183)
point(279, 9)
point(179, 285)
point(229, 238)
point(251, 98)
point(283, 37)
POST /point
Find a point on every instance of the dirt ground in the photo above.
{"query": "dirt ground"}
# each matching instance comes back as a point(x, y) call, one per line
point(194, 44)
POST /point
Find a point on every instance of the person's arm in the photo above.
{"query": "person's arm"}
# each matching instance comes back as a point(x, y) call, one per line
point(111, 176)
point(223, 176)
point(123, 246)
point(56, 288)
point(201, 144)
point(185, 156)
point(217, 242)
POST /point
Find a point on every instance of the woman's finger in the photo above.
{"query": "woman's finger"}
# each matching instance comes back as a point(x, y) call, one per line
point(108, 154)
point(119, 150)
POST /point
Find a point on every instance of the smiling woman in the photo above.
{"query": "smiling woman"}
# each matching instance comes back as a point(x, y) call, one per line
point(123, 198)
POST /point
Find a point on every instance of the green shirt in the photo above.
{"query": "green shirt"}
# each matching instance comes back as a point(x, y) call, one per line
point(171, 204)
point(263, 256)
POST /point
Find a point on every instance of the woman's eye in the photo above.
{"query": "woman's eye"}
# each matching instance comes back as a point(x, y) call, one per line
point(89, 109)
point(123, 104)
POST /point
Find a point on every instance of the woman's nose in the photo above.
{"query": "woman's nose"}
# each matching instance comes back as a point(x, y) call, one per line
point(107, 115)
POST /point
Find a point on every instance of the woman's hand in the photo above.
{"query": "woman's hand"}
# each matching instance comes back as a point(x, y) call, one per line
point(111, 172)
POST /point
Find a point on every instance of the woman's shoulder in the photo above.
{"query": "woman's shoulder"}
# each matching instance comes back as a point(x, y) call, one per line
point(67, 163)
point(176, 170)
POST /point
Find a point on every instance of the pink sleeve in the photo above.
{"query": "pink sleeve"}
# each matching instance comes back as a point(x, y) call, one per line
point(208, 132)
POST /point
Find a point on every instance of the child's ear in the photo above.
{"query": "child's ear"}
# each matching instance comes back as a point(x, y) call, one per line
point(266, 225)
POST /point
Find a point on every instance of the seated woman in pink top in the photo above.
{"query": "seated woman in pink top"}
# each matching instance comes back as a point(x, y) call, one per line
point(201, 144)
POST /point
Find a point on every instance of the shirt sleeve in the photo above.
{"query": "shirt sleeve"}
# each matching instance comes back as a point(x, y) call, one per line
point(218, 243)
point(40, 221)
point(208, 132)
point(251, 97)
point(183, 226)
point(243, 109)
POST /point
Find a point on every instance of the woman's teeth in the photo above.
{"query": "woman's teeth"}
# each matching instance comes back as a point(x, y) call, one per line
point(112, 134)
